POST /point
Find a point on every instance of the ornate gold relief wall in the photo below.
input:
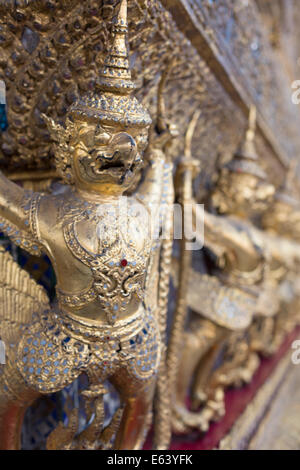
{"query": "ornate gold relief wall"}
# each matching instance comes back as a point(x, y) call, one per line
point(46, 64)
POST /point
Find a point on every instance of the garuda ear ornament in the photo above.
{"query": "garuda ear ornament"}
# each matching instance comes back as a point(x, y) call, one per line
point(64, 138)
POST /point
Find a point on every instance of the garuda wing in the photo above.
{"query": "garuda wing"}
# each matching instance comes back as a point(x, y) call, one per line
point(20, 298)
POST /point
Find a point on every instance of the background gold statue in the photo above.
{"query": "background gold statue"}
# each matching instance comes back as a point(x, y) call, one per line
point(226, 303)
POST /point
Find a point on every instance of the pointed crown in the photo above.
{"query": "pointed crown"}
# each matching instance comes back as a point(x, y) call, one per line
point(245, 159)
point(111, 101)
point(287, 193)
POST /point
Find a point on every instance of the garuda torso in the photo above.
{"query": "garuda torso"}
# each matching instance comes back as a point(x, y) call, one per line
point(107, 244)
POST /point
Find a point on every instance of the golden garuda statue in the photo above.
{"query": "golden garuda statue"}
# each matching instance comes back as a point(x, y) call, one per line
point(106, 322)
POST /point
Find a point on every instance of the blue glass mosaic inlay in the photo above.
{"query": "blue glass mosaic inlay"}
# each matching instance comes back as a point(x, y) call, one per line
point(3, 118)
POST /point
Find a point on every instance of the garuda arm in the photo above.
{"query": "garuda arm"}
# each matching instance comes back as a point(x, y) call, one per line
point(228, 237)
point(225, 234)
point(20, 296)
point(18, 215)
point(281, 251)
point(156, 190)
point(157, 194)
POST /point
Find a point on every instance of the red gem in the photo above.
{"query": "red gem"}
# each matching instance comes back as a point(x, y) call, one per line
point(124, 262)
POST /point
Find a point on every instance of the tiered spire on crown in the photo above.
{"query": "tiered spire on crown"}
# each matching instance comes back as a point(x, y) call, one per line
point(116, 74)
point(111, 101)
point(288, 192)
point(246, 159)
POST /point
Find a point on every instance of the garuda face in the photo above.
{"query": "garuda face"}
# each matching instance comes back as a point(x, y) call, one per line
point(108, 156)
point(242, 194)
